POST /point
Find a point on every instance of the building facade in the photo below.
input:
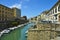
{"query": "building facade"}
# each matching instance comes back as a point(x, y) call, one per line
point(34, 19)
point(16, 12)
point(54, 13)
point(7, 13)
point(43, 15)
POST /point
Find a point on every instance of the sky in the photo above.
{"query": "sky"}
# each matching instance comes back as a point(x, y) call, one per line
point(30, 8)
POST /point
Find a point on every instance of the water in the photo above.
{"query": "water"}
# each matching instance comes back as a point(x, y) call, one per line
point(23, 31)
point(13, 35)
point(17, 34)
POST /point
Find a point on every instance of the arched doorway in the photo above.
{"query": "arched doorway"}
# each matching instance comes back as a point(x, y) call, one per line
point(59, 17)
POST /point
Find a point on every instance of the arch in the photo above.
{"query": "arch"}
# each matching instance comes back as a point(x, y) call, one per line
point(59, 17)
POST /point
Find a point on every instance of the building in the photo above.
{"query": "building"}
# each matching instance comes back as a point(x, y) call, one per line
point(16, 12)
point(42, 16)
point(7, 13)
point(47, 31)
point(34, 19)
point(38, 17)
point(54, 13)
point(25, 17)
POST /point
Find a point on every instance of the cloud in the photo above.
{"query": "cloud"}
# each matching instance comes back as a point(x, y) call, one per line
point(17, 5)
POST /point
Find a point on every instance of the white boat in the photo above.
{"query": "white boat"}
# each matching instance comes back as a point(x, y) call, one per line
point(11, 28)
point(5, 31)
point(1, 34)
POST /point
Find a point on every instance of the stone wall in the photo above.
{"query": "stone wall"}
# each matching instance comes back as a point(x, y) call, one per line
point(45, 31)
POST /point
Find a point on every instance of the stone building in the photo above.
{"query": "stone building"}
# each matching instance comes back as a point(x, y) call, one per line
point(43, 16)
point(54, 13)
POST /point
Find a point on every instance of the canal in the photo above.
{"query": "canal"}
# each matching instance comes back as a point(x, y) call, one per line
point(17, 34)
point(24, 30)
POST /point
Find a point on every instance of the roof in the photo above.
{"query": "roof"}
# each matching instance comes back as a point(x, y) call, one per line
point(54, 5)
point(45, 12)
point(4, 6)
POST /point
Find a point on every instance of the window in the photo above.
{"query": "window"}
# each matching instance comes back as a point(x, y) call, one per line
point(59, 7)
point(56, 10)
point(58, 34)
point(2, 7)
point(55, 17)
point(49, 12)
point(31, 18)
point(53, 11)
point(0, 11)
point(3, 12)
point(5, 8)
point(35, 19)
point(59, 16)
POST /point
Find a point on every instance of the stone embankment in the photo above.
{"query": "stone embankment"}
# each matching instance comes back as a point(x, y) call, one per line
point(44, 31)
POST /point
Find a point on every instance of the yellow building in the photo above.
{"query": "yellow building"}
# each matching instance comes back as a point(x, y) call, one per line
point(7, 13)
point(16, 12)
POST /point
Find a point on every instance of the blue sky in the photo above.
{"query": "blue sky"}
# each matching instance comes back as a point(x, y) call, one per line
point(30, 8)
